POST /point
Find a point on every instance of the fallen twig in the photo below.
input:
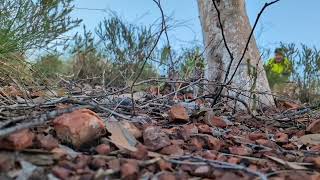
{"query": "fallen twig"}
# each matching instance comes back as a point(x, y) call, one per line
point(192, 160)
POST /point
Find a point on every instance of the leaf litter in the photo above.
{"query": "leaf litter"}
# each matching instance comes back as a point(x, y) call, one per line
point(100, 137)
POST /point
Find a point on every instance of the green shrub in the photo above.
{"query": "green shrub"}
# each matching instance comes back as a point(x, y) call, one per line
point(49, 66)
point(306, 74)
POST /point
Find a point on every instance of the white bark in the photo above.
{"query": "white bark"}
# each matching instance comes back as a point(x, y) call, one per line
point(237, 29)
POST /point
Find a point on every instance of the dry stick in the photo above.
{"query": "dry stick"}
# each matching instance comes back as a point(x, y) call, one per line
point(245, 50)
point(250, 36)
point(110, 111)
point(191, 84)
point(165, 31)
point(223, 35)
point(95, 105)
point(215, 164)
point(144, 64)
point(228, 50)
point(171, 66)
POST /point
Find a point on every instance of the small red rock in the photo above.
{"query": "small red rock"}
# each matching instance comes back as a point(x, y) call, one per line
point(229, 176)
point(214, 143)
point(255, 136)
point(18, 141)
point(314, 127)
point(178, 113)
point(167, 176)
point(97, 163)
point(47, 142)
point(253, 167)
point(289, 146)
point(197, 143)
point(164, 165)
point(129, 171)
point(308, 159)
point(177, 141)
point(315, 177)
point(266, 143)
point(315, 148)
point(202, 171)
point(316, 162)
point(222, 157)
point(59, 152)
point(203, 128)
point(172, 150)
point(6, 162)
point(103, 149)
point(61, 172)
point(191, 129)
point(214, 121)
point(242, 151)
point(209, 155)
point(141, 153)
point(154, 138)
point(218, 122)
point(186, 168)
point(281, 138)
point(233, 160)
point(82, 161)
point(79, 127)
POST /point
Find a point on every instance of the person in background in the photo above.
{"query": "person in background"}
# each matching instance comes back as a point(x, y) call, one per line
point(278, 69)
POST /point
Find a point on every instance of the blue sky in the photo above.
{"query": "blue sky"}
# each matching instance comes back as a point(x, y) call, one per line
point(287, 21)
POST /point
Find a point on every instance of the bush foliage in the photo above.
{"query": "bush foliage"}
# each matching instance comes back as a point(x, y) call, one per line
point(306, 74)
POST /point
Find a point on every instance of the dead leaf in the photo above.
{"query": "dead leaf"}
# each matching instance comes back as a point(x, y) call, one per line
point(130, 127)
point(314, 127)
point(310, 139)
point(292, 165)
point(120, 136)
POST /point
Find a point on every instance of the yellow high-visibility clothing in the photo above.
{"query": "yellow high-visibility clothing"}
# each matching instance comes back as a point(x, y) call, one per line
point(283, 67)
point(278, 73)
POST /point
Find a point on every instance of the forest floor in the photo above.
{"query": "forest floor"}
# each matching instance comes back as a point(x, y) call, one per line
point(91, 134)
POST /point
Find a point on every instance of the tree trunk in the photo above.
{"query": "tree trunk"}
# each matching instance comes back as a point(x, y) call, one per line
point(237, 30)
